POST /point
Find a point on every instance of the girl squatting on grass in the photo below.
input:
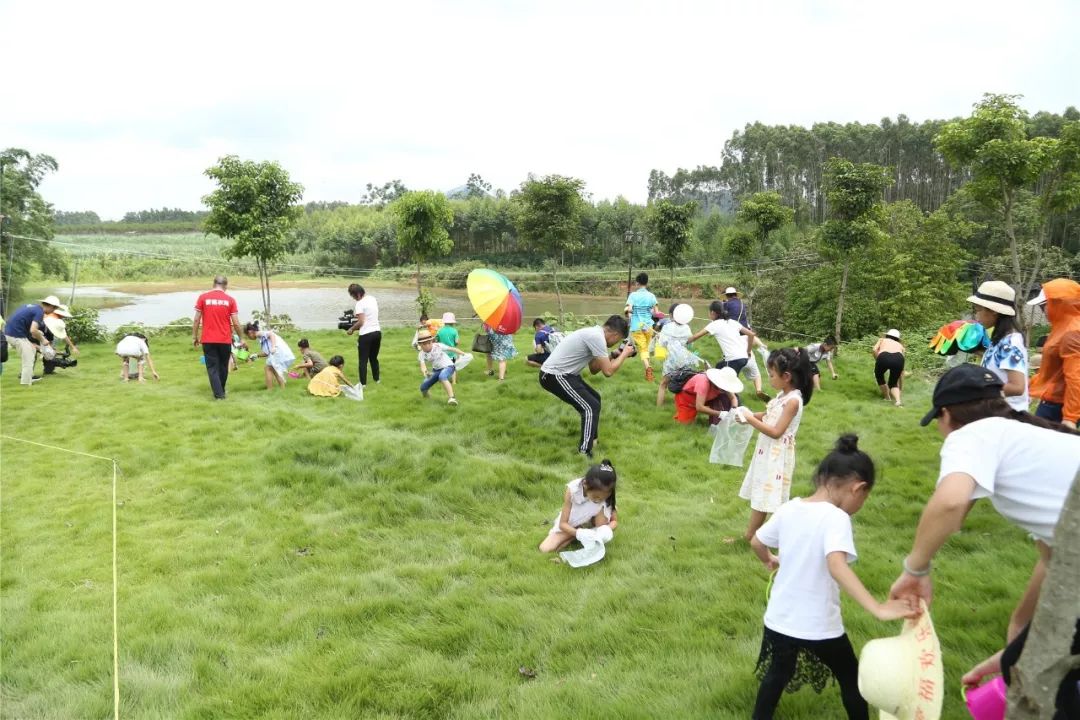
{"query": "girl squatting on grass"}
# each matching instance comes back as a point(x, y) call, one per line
point(588, 502)
point(767, 484)
point(804, 639)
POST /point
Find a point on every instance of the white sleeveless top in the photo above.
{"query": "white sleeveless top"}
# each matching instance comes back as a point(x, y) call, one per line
point(582, 509)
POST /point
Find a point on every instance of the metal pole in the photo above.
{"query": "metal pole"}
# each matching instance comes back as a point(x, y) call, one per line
point(75, 277)
point(629, 238)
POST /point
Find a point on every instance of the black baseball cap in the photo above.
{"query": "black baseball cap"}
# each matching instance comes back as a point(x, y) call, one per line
point(962, 384)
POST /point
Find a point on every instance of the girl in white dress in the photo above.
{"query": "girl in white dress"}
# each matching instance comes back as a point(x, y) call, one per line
point(767, 484)
point(279, 356)
point(588, 502)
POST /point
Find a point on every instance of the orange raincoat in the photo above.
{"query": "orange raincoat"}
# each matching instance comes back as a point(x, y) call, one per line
point(1058, 379)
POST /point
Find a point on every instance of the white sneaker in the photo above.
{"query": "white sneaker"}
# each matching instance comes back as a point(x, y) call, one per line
point(452, 401)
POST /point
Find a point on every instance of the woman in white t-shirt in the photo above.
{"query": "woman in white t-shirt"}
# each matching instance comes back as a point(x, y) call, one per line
point(804, 639)
point(370, 332)
point(1007, 355)
point(1025, 465)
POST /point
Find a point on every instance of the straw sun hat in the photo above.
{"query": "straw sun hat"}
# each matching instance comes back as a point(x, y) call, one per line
point(725, 378)
point(903, 676)
point(995, 295)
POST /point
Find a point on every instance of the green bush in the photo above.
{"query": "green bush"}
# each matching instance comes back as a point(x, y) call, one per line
point(84, 327)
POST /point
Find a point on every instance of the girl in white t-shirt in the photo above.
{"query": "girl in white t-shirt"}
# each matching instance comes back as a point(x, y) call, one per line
point(804, 639)
point(588, 502)
point(134, 348)
point(735, 340)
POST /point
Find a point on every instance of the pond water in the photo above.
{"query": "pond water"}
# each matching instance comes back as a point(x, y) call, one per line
point(313, 308)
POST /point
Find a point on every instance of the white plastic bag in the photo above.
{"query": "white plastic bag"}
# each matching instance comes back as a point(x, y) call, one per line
point(462, 361)
point(353, 392)
point(730, 441)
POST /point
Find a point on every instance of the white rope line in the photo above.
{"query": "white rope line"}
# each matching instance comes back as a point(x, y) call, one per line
point(115, 604)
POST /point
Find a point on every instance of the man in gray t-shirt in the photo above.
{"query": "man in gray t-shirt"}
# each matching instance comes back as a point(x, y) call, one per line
point(560, 374)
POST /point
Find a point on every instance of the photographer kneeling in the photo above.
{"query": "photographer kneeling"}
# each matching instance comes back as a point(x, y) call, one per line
point(588, 347)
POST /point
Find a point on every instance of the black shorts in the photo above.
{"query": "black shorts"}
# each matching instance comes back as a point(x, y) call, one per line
point(814, 369)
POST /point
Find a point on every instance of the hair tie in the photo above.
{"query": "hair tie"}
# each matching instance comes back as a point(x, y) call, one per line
point(605, 466)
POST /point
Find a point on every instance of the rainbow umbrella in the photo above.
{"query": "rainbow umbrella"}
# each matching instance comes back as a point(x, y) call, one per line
point(496, 301)
point(959, 335)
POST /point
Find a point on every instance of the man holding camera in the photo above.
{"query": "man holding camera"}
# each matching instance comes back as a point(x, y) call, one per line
point(25, 328)
point(588, 347)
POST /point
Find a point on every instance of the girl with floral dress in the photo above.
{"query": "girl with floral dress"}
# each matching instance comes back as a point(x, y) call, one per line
point(502, 349)
point(767, 484)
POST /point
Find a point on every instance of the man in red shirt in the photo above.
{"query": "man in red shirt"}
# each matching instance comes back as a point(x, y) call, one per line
point(216, 313)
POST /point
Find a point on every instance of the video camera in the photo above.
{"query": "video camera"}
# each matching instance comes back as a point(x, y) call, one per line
point(347, 320)
point(60, 361)
point(618, 351)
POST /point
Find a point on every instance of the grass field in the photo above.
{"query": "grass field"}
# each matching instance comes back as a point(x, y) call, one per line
point(284, 556)
point(199, 245)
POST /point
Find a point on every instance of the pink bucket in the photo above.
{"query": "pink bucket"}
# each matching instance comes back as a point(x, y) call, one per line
point(987, 702)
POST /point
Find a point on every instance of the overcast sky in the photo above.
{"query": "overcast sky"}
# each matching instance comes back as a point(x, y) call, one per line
point(136, 99)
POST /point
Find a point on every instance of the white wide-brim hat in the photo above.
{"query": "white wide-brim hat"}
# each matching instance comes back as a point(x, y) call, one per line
point(731, 291)
point(903, 676)
point(892, 333)
point(682, 314)
point(726, 379)
point(995, 295)
point(51, 300)
point(57, 327)
point(62, 311)
point(448, 318)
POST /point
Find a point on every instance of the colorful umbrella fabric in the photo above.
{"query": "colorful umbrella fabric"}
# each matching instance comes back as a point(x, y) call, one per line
point(496, 301)
point(959, 335)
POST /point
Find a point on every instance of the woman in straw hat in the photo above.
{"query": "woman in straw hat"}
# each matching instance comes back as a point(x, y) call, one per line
point(1024, 464)
point(702, 393)
point(1007, 355)
point(1058, 382)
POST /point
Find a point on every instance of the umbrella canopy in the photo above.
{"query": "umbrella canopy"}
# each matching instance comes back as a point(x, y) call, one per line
point(496, 301)
point(959, 335)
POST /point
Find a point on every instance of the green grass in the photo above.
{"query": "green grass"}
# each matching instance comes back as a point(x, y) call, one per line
point(286, 556)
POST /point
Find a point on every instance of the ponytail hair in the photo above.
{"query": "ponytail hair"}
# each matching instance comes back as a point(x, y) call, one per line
point(601, 477)
point(797, 362)
point(845, 463)
point(251, 327)
point(968, 412)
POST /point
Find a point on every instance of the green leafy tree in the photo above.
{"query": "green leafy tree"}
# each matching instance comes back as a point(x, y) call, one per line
point(1006, 164)
point(549, 218)
point(26, 220)
point(423, 221)
point(382, 196)
point(477, 187)
point(254, 205)
point(670, 225)
point(854, 193)
point(767, 212)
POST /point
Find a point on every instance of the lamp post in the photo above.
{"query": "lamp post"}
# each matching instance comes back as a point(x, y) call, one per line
point(629, 237)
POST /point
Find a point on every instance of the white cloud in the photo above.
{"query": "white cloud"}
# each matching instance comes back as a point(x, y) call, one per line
point(136, 99)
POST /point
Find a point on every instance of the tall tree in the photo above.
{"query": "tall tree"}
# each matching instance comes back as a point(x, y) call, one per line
point(549, 214)
point(423, 220)
point(670, 225)
point(255, 205)
point(477, 186)
point(382, 196)
point(854, 194)
point(768, 213)
point(1006, 165)
point(26, 220)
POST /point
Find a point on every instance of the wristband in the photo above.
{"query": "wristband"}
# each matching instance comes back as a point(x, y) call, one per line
point(916, 573)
